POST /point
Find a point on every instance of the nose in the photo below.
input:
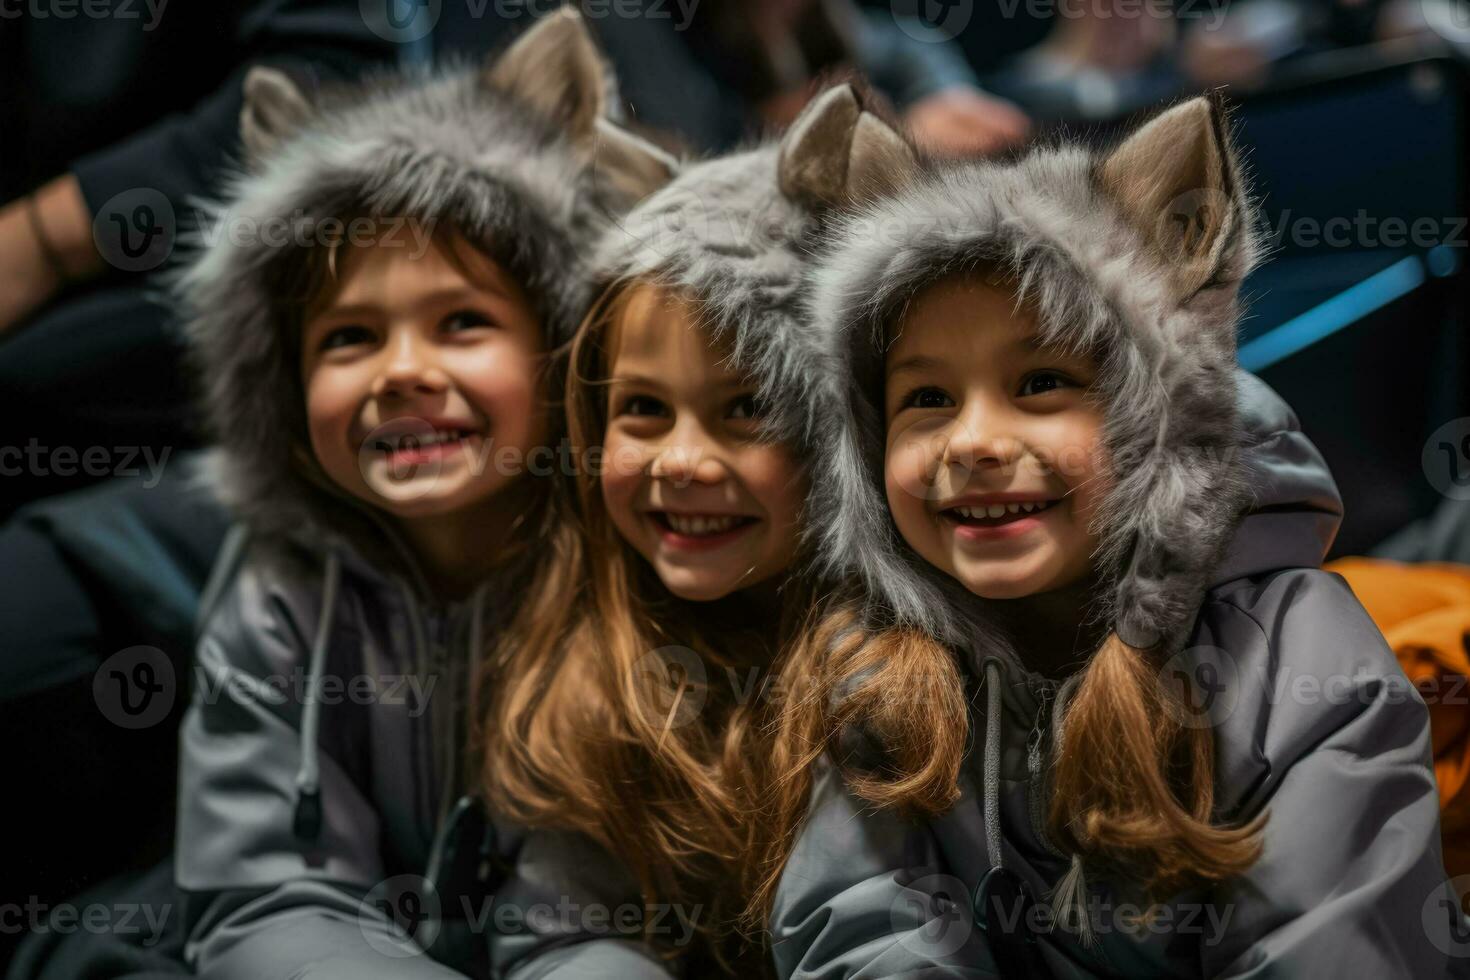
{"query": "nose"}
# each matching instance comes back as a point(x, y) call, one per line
point(977, 439)
point(689, 455)
point(409, 369)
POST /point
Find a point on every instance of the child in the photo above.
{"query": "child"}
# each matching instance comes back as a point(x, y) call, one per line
point(630, 700)
point(373, 317)
point(1034, 464)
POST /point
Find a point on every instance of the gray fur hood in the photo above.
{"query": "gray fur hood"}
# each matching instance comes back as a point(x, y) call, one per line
point(1138, 253)
point(738, 234)
point(518, 155)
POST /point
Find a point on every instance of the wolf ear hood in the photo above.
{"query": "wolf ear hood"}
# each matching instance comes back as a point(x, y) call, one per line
point(519, 155)
point(737, 233)
point(1137, 253)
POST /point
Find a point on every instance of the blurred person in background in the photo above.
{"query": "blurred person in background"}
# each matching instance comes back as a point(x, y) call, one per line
point(717, 72)
point(120, 115)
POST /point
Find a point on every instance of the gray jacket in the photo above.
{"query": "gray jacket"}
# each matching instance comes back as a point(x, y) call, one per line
point(385, 870)
point(1315, 719)
point(326, 823)
point(1212, 528)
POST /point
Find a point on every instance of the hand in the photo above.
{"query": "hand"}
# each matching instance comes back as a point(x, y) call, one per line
point(28, 277)
point(964, 121)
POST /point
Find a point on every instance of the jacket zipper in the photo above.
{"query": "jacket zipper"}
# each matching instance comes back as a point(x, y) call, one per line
point(421, 665)
point(1035, 780)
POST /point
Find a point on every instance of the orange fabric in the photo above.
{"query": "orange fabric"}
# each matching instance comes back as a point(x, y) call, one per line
point(1424, 613)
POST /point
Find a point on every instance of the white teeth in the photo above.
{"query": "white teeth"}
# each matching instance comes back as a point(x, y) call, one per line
point(700, 525)
point(992, 511)
point(431, 439)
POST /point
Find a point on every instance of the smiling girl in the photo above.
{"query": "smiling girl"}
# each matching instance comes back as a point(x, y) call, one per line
point(633, 701)
point(356, 388)
point(1064, 736)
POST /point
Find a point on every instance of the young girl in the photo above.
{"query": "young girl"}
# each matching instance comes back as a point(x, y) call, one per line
point(373, 316)
point(1116, 720)
point(630, 700)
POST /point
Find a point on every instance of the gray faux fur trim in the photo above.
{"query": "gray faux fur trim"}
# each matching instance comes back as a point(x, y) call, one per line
point(441, 147)
point(724, 233)
point(1167, 377)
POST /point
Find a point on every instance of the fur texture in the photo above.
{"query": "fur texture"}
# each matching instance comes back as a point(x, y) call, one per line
point(1113, 265)
point(738, 234)
point(465, 147)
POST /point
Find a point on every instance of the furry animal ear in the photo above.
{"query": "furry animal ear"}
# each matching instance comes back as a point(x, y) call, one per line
point(838, 154)
point(629, 164)
point(1176, 180)
point(273, 107)
point(556, 69)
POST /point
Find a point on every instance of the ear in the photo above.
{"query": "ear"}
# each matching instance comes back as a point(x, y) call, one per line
point(1176, 181)
point(273, 107)
point(629, 164)
point(556, 69)
point(837, 154)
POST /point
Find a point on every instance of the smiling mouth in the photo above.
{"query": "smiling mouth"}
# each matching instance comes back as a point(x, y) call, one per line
point(410, 441)
point(700, 525)
point(996, 515)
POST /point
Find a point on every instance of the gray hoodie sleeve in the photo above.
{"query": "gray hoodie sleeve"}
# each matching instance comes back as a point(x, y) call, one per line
point(568, 912)
point(863, 895)
point(258, 905)
point(1351, 881)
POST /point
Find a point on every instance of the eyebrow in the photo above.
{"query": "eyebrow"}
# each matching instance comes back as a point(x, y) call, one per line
point(440, 297)
point(634, 381)
point(733, 384)
point(916, 362)
point(1029, 344)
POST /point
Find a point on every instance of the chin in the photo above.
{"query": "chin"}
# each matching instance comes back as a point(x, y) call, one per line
point(435, 503)
point(990, 586)
point(691, 591)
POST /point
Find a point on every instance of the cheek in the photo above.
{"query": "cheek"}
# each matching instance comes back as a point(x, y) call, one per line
point(1079, 459)
point(906, 466)
point(333, 399)
point(776, 482)
point(1071, 448)
point(620, 477)
point(505, 383)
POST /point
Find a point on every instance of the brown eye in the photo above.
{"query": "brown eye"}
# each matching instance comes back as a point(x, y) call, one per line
point(348, 336)
point(465, 320)
point(1044, 381)
point(927, 398)
point(642, 405)
point(746, 407)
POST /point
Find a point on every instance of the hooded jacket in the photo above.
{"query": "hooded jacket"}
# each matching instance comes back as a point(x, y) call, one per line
point(327, 821)
point(1217, 518)
point(735, 234)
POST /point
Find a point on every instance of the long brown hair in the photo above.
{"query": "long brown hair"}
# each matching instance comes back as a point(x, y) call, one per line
point(1133, 778)
point(587, 723)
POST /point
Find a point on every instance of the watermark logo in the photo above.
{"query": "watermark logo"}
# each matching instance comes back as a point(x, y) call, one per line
point(400, 21)
point(1200, 686)
point(398, 461)
point(135, 688)
point(678, 675)
point(940, 904)
point(401, 916)
point(1444, 919)
point(1446, 459)
point(932, 21)
point(134, 231)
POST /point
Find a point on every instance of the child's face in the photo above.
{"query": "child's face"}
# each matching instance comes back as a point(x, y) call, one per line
point(993, 466)
point(423, 385)
point(687, 482)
